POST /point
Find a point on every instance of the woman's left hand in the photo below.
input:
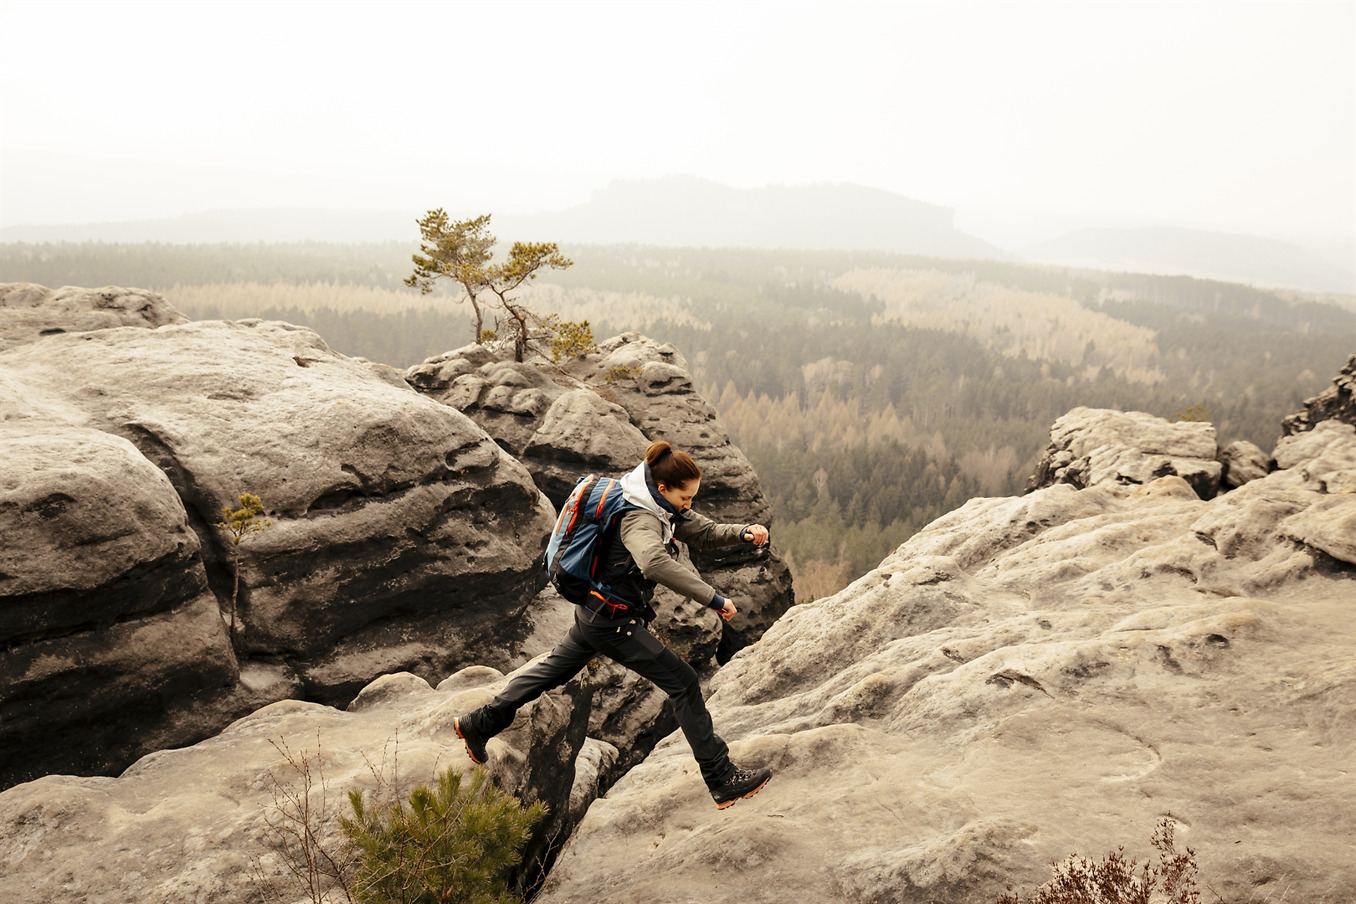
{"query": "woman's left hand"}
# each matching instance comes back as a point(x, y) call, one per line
point(756, 534)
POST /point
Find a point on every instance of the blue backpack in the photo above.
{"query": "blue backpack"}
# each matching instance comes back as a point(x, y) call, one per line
point(588, 522)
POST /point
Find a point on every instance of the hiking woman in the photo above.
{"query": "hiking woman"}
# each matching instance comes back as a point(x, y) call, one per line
point(642, 553)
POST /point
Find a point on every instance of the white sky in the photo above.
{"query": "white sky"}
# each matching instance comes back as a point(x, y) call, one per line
point(1228, 115)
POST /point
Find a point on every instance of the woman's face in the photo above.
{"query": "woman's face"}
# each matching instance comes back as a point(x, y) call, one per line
point(680, 497)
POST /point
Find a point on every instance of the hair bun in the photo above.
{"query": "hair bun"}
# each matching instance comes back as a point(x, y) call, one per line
point(658, 449)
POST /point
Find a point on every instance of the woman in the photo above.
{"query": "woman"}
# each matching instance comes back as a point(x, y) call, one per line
point(644, 553)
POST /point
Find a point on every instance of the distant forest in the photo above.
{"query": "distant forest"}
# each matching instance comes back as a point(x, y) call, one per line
point(873, 392)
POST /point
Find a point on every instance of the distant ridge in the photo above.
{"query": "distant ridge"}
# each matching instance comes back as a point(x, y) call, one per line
point(688, 211)
point(1166, 250)
point(676, 211)
point(245, 226)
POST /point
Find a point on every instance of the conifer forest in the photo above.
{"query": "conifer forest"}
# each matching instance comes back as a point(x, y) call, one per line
point(872, 392)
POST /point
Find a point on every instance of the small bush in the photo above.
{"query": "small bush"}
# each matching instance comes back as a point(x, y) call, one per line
point(621, 372)
point(1193, 413)
point(1115, 880)
point(446, 844)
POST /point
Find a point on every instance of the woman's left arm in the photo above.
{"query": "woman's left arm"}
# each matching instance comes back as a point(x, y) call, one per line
point(700, 531)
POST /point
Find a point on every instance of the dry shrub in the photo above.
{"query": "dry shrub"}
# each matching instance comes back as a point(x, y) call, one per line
point(1115, 880)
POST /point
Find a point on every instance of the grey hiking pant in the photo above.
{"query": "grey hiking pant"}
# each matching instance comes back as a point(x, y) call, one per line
point(630, 643)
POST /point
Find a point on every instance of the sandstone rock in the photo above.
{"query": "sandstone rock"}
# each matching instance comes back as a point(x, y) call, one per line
point(1243, 461)
point(1338, 403)
point(389, 511)
point(28, 312)
point(106, 619)
point(193, 824)
point(595, 759)
point(1091, 446)
point(403, 537)
point(597, 414)
point(1323, 458)
point(1023, 679)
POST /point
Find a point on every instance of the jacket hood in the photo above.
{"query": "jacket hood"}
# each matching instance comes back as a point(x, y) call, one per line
point(639, 490)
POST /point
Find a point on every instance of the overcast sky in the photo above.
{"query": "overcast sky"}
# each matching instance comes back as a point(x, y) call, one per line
point(1236, 116)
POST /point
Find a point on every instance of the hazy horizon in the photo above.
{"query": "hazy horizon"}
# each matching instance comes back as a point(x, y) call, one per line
point(1026, 119)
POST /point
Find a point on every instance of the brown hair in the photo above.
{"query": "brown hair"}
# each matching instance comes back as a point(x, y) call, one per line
point(670, 467)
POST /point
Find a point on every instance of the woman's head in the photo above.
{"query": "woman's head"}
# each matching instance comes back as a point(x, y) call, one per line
point(675, 474)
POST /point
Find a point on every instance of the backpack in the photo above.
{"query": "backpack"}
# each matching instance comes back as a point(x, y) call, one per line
point(588, 522)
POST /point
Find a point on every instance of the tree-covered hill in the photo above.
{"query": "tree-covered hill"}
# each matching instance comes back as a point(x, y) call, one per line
point(873, 392)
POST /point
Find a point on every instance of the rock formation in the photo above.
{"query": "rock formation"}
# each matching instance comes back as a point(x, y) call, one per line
point(1029, 677)
point(28, 312)
point(403, 537)
point(1243, 461)
point(1089, 446)
point(597, 413)
point(1336, 403)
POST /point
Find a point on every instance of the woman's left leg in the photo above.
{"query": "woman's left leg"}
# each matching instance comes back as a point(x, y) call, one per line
point(633, 646)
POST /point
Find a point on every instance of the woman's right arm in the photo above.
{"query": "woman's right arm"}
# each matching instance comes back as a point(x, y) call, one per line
point(642, 535)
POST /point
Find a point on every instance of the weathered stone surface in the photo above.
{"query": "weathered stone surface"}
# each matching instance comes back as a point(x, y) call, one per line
point(106, 621)
point(403, 537)
point(389, 511)
point(1243, 461)
point(597, 414)
point(1026, 678)
point(1323, 458)
point(28, 312)
point(1336, 403)
point(595, 759)
point(192, 824)
point(1089, 446)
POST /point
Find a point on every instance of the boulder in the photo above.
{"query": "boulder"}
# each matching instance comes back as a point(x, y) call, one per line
point(597, 413)
point(1243, 461)
point(402, 537)
point(1336, 403)
point(106, 621)
point(1321, 458)
point(206, 823)
point(28, 312)
point(1024, 679)
point(1089, 446)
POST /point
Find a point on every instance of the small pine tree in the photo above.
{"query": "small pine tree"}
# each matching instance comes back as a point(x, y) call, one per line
point(446, 845)
point(572, 339)
point(239, 524)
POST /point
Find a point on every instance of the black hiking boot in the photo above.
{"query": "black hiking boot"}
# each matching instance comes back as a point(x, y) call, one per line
point(475, 741)
point(744, 783)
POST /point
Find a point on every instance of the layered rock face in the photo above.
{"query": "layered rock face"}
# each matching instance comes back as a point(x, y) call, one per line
point(1025, 678)
point(1337, 403)
point(403, 537)
point(597, 414)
